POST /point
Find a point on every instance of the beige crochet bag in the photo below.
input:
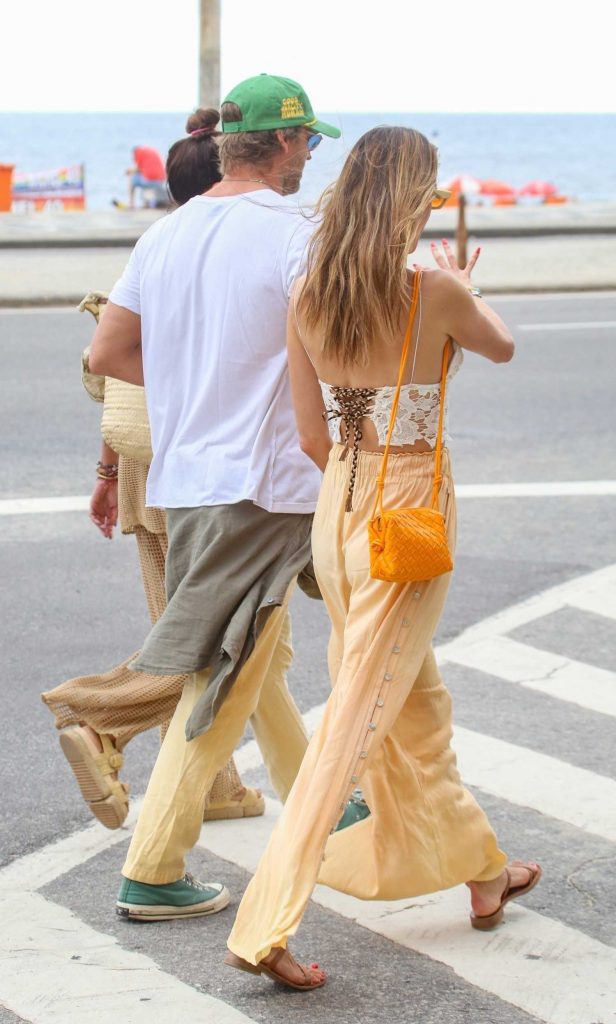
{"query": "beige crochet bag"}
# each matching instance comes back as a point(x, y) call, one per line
point(125, 426)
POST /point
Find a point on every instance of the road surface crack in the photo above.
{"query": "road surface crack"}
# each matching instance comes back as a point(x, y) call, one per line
point(570, 879)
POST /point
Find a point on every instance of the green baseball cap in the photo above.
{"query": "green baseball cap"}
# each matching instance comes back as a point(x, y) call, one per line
point(268, 102)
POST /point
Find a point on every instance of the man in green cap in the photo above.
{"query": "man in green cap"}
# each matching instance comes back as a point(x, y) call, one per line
point(265, 119)
point(199, 316)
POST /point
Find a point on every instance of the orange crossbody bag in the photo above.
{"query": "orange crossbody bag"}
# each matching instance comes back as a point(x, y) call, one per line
point(410, 544)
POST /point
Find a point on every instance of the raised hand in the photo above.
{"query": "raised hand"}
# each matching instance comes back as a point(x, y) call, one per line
point(446, 260)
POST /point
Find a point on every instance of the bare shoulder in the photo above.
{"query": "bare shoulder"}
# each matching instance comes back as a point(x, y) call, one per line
point(440, 285)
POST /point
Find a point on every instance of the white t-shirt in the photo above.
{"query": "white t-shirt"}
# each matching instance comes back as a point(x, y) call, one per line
point(211, 282)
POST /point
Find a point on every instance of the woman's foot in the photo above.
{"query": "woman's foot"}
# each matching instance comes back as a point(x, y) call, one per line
point(281, 966)
point(244, 803)
point(489, 898)
point(95, 761)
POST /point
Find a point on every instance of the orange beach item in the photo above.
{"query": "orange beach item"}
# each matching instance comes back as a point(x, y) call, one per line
point(6, 177)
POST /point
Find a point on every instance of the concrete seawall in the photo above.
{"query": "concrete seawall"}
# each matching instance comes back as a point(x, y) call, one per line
point(54, 259)
point(122, 228)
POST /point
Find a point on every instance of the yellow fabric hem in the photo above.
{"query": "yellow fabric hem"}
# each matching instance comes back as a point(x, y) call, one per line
point(260, 955)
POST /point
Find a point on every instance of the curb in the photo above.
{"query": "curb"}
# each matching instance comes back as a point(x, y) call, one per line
point(71, 301)
point(40, 301)
point(487, 231)
point(102, 242)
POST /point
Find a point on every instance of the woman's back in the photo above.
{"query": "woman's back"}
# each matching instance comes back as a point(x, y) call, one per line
point(361, 395)
point(382, 366)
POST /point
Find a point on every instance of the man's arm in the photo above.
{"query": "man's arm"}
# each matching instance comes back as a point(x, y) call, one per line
point(314, 439)
point(116, 346)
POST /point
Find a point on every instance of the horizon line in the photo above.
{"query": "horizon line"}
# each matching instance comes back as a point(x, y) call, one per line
point(339, 113)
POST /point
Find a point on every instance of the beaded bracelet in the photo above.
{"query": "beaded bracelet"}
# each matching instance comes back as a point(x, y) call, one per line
point(107, 470)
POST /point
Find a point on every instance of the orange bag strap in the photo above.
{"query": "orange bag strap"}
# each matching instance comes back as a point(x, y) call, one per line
point(436, 486)
point(378, 501)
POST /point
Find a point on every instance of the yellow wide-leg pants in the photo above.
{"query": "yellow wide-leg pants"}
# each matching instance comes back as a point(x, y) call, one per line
point(386, 727)
point(172, 814)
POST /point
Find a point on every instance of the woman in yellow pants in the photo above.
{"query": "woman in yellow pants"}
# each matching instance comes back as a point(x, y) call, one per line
point(387, 723)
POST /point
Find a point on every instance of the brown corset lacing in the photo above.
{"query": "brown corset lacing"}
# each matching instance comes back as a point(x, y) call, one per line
point(352, 404)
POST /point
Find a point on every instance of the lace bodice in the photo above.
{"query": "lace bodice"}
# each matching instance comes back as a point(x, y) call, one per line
point(418, 409)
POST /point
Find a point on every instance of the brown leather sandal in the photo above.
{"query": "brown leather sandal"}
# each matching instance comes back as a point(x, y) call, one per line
point(250, 805)
point(484, 922)
point(310, 982)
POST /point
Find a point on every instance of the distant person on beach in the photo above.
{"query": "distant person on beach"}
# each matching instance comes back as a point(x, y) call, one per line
point(380, 335)
point(148, 174)
point(98, 715)
point(200, 315)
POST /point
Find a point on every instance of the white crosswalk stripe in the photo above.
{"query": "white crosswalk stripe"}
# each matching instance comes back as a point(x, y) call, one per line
point(545, 784)
point(594, 592)
point(56, 968)
point(599, 599)
point(554, 972)
point(553, 674)
point(529, 489)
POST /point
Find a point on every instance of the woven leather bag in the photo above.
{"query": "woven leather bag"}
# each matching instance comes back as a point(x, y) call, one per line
point(124, 425)
point(410, 544)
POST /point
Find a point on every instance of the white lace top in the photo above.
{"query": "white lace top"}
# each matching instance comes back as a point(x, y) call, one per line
point(418, 409)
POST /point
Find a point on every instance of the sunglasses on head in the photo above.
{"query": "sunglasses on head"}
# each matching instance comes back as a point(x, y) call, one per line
point(440, 197)
point(314, 140)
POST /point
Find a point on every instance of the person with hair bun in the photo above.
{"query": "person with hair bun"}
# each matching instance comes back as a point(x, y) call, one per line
point(193, 162)
point(98, 715)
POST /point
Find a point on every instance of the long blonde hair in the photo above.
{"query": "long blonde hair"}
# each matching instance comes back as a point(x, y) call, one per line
point(356, 286)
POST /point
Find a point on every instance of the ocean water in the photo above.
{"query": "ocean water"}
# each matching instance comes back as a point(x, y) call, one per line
point(577, 152)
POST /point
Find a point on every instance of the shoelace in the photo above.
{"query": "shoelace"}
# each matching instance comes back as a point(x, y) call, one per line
point(193, 882)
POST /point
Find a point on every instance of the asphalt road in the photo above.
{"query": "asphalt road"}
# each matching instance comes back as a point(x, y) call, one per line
point(71, 603)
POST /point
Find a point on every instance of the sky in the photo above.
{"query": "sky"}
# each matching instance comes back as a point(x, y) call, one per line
point(350, 55)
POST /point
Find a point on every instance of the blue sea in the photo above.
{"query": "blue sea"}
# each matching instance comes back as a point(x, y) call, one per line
point(577, 152)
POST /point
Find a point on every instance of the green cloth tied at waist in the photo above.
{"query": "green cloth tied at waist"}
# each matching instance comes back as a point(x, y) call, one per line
point(228, 567)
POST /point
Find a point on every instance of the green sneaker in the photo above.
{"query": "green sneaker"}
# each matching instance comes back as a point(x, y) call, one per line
point(356, 810)
point(138, 901)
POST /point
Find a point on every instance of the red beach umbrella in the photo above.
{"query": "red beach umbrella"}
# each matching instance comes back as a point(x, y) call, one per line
point(464, 183)
point(490, 187)
point(539, 188)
